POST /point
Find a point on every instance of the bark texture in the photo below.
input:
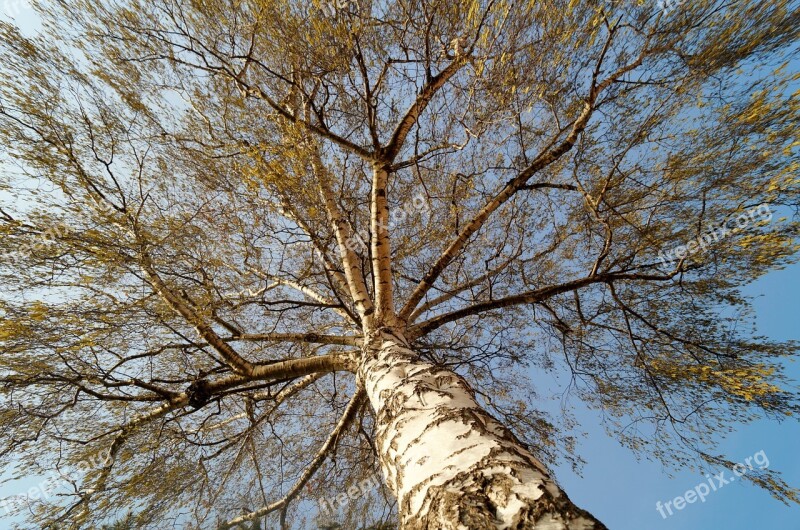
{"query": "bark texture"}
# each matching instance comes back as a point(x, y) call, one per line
point(450, 463)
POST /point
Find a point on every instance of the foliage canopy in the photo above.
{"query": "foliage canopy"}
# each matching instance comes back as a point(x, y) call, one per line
point(207, 204)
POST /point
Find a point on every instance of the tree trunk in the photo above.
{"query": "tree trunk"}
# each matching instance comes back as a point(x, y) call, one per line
point(451, 465)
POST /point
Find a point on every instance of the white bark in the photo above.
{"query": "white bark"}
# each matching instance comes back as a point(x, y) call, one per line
point(341, 228)
point(381, 247)
point(450, 464)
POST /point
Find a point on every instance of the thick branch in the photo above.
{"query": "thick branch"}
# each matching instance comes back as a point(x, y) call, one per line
point(352, 270)
point(183, 308)
point(550, 185)
point(321, 131)
point(311, 367)
point(379, 209)
point(529, 297)
point(277, 399)
point(418, 107)
point(381, 246)
point(544, 159)
point(300, 367)
point(315, 338)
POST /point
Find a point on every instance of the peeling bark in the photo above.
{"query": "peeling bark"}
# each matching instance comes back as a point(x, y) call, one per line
point(451, 465)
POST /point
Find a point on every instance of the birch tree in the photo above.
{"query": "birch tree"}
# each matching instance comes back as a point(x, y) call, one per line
point(257, 251)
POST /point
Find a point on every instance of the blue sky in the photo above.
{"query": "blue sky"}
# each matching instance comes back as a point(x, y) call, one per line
point(622, 492)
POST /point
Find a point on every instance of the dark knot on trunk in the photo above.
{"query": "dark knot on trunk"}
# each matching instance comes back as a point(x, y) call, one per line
point(199, 393)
